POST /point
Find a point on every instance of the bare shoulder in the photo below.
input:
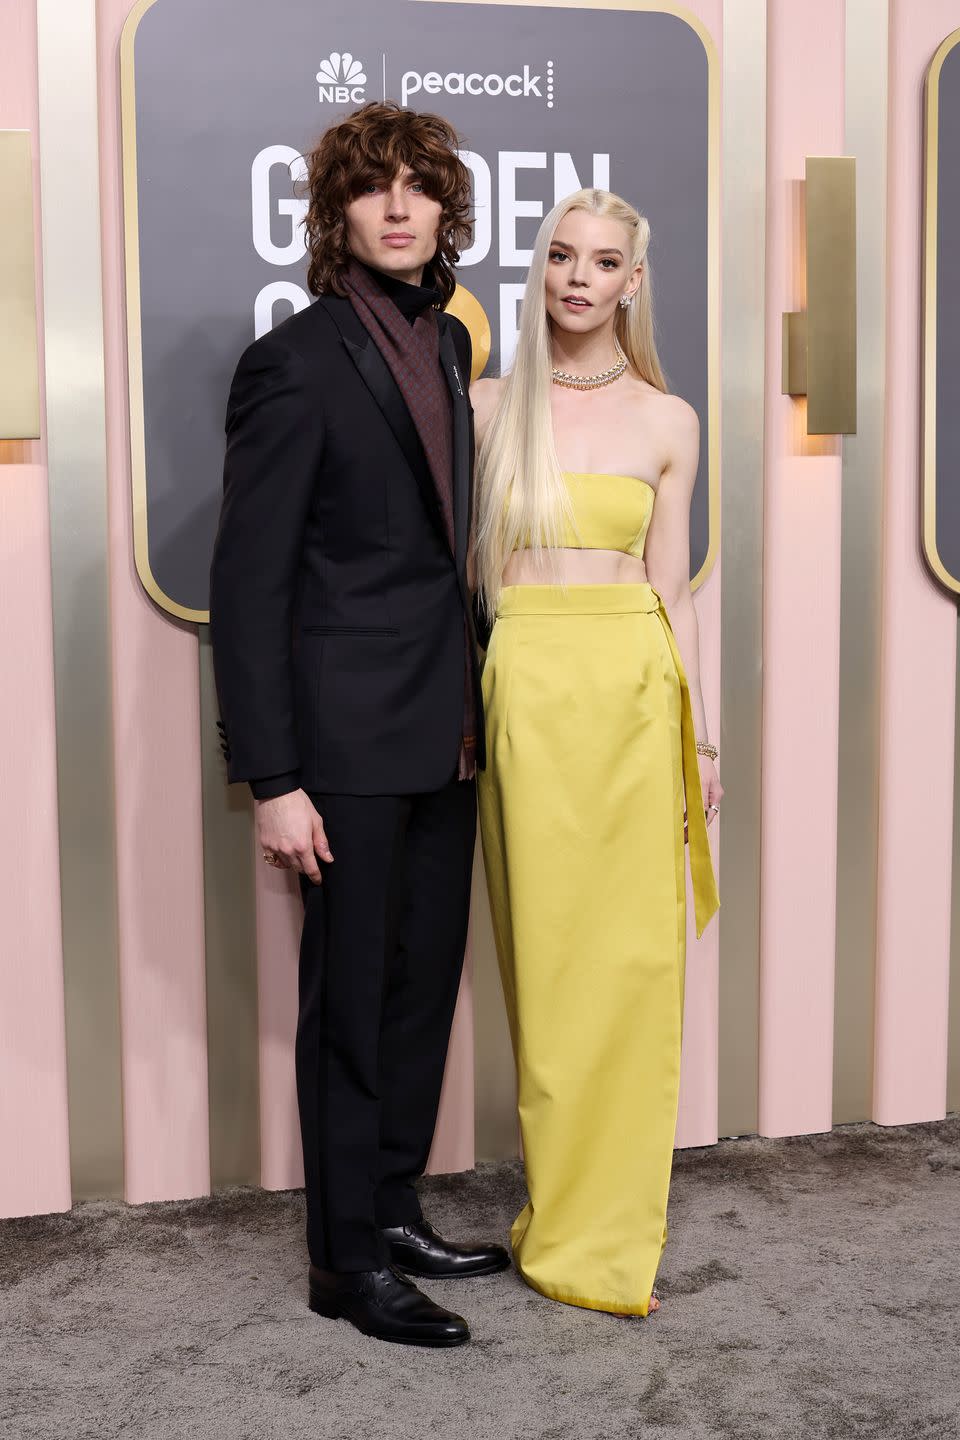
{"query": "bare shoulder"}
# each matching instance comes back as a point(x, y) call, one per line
point(676, 427)
point(485, 396)
point(676, 416)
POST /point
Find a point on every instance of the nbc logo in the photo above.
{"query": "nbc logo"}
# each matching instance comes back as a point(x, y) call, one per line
point(341, 79)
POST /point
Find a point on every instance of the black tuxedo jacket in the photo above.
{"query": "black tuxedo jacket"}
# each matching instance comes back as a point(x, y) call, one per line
point(336, 606)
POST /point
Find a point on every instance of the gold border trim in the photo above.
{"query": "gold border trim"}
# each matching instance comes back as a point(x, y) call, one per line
point(131, 247)
point(929, 349)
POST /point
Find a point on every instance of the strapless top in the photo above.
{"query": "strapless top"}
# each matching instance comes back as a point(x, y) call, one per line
point(611, 512)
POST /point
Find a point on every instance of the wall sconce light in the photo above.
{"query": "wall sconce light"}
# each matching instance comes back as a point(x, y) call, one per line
point(19, 378)
point(820, 343)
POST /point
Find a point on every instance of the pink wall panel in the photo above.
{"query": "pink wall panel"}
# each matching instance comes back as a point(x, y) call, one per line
point(159, 834)
point(35, 1173)
point(805, 92)
point(919, 652)
point(34, 1143)
point(453, 1142)
point(279, 914)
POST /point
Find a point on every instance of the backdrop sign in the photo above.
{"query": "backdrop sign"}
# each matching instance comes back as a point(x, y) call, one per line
point(941, 420)
point(221, 99)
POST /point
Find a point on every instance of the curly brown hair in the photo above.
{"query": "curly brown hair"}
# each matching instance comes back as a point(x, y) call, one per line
point(375, 143)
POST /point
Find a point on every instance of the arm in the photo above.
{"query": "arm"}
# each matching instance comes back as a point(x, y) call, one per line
point(667, 557)
point(274, 445)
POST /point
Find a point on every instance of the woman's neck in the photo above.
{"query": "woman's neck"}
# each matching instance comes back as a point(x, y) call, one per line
point(585, 354)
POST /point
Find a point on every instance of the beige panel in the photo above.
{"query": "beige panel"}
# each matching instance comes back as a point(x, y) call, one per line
point(742, 379)
point(19, 377)
point(76, 453)
point(953, 1052)
point(497, 1132)
point(230, 928)
point(794, 353)
point(861, 592)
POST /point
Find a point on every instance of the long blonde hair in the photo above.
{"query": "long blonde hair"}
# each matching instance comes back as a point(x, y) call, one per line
point(519, 487)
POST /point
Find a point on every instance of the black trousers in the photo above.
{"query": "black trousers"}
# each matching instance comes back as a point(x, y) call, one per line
point(380, 963)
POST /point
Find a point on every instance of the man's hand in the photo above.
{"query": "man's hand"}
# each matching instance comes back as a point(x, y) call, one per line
point(290, 829)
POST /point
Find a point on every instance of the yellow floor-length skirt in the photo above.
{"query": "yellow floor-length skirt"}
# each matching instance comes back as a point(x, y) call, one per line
point(590, 747)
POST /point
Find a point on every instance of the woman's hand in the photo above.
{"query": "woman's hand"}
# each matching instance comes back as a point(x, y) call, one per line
point(712, 790)
point(710, 784)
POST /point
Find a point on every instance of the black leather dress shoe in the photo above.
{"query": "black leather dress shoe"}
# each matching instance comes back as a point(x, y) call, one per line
point(419, 1250)
point(386, 1305)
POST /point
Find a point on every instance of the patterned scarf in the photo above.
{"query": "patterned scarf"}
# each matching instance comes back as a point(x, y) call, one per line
point(412, 354)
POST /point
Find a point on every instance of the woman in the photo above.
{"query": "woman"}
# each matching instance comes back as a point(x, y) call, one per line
point(585, 474)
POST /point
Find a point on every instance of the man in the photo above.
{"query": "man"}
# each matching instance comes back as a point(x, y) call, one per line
point(345, 662)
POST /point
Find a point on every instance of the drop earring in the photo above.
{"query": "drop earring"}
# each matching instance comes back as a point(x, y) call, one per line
point(625, 301)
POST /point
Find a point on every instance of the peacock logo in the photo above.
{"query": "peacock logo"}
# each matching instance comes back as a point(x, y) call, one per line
point(341, 79)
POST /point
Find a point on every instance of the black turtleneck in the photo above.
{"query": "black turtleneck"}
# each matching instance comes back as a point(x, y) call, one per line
point(411, 301)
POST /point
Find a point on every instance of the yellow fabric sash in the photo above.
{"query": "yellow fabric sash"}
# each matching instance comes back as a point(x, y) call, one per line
point(706, 900)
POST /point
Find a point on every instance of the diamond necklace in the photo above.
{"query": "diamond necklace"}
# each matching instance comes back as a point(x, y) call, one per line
point(592, 382)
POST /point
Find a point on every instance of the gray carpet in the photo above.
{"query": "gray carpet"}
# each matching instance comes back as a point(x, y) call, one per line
point(811, 1289)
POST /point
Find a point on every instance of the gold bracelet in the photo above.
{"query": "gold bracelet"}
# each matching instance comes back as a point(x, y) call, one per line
point(705, 748)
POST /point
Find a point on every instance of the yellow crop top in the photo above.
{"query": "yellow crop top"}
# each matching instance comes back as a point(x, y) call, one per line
point(612, 512)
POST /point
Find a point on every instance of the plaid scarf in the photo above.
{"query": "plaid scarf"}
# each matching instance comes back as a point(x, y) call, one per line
point(412, 354)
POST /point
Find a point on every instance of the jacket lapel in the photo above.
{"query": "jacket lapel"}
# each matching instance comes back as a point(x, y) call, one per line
point(458, 382)
point(375, 373)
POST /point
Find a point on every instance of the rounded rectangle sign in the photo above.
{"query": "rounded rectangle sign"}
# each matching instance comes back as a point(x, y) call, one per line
point(221, 100)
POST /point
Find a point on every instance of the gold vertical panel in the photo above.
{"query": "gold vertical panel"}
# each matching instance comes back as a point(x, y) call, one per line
point(831, 293)
point(19, 378)
point(953, 1043)
point(794, 353)
point(742, 378)
point(76, 459)
point(861, 589)
point(230, 930)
